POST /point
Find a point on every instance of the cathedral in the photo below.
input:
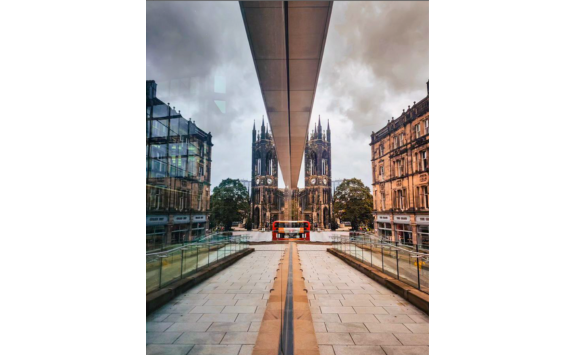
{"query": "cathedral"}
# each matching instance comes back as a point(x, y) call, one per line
point(313, 203)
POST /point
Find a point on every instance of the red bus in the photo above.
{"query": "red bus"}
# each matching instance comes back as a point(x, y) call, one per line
point(290, 229)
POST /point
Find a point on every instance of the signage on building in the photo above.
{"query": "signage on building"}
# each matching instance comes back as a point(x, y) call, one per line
point(401, 219)
point(156, 220)
point(199, 218)
point(424, 220)
point(398, 182)
point(181, 219)
point(423, 178)
point(383, 218)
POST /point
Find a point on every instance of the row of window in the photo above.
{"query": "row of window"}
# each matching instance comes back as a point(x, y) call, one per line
point(181, 200)
point(312, 168)
point(404, 233)
point(421, 163)
point(270, 170)
point(401, 200)
point(420, 129)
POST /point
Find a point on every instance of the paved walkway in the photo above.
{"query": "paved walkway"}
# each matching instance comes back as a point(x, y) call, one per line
point(352, 314)
point(222, 315)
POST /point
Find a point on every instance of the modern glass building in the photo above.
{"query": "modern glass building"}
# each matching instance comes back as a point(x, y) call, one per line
point(178, 164)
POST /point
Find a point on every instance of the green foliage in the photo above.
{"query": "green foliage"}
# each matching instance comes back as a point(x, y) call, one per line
point(353, 202)
point(229, 203)
point(333, 223)
point(249, 224)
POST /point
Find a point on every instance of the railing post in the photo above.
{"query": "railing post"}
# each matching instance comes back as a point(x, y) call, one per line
point(182, 265)
point(418, 280)
point(160, 277)
point(370, 251)
point(382, 270)
point(397, 261)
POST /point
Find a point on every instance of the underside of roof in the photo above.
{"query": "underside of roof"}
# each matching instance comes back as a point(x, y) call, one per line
point(287, 40)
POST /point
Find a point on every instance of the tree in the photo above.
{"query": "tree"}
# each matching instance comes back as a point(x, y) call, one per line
point(353, 202)
point(249, 223)
point(229, 203)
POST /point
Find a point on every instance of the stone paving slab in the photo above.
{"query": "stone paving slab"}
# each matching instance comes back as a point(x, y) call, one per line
point(369, 319)
point(221, 315)
point(351, 313)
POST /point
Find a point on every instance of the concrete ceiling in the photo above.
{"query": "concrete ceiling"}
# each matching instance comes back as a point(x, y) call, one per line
point(287, 39)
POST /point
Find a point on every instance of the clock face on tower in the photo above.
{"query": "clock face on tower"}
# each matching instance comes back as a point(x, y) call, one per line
point(257, 181)
point(313, 181)
point(325, 181)
point(269, 181)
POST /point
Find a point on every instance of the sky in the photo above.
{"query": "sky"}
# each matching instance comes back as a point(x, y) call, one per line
point(375, 64)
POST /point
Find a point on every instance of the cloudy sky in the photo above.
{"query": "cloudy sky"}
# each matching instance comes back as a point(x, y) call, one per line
point(375, 64)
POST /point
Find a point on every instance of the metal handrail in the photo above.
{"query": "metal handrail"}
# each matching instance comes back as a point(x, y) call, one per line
point(396, 247)
point(185, 246)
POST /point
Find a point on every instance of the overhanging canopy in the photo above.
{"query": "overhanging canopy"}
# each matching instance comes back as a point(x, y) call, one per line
point(287, 40)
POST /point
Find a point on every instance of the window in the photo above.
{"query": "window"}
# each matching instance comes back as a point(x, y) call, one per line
point(324, 167)
point(423, 196)
point(259, 167)
point(404, 233)
point(401, 167)
point(381, 150)
point(382, 200)
point(418, 130)
point(400, 199)
point(395, 142)
point(381, 171)
point(270, 167)
point(427, 126)
point(385, 231)
point(401, 139)
point(423, 236)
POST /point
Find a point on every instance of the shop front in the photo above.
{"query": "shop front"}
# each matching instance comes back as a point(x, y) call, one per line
point(422, 223)
point(199, 224)
point(156, 231)
point(383, 225)
point(403, 229)
point(180, 229)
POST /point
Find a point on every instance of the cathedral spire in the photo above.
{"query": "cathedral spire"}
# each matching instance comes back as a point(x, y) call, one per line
point(319, 128)
point(263, 130)
point(328, 132)
point(254, 132)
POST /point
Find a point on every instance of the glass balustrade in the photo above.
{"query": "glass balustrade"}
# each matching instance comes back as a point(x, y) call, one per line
point(165, 267)
point(407, 263)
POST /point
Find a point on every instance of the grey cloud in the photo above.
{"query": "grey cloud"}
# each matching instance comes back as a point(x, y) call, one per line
point(375, 64)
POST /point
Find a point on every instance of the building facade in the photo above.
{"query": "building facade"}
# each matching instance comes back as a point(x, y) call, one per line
point(400, 174)
point(178, 169)
point(312, 203)
point(315, 200)
point(267, 199)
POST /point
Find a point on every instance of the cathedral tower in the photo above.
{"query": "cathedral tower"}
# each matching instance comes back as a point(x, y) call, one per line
point(316, 199)
point(266, 199)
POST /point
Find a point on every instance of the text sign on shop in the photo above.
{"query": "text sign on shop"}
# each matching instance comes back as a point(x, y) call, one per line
point(422, 220)
point(383, 218)
point(401, 219)
point(291, 230)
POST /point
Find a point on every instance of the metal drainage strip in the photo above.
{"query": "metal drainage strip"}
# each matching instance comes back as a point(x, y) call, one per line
point(286, 338)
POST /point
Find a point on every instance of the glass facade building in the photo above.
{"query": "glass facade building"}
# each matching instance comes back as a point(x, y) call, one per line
point(178, 164)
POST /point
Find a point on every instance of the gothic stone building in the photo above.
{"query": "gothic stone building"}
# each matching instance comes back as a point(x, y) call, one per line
point(400, 173)
point(266, 199)
point(314, 202)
